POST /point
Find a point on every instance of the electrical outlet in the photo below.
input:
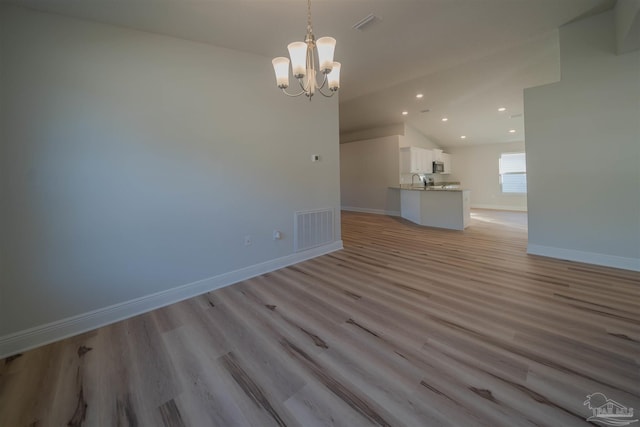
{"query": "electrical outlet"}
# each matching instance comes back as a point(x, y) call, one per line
point(277, 235)
point(247, 240)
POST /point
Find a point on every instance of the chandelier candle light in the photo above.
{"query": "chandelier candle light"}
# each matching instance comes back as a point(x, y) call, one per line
point(303, 64)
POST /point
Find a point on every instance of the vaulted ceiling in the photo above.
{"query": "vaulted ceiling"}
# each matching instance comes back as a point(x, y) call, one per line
point(467, 57)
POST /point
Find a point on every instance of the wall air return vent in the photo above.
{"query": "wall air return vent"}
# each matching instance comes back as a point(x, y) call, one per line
point(312, 228)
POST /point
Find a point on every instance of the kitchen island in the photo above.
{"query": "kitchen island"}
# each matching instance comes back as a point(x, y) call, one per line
point(436, 207)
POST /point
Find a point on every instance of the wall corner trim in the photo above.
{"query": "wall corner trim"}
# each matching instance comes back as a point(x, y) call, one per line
point(44, 334)
point(586, 257)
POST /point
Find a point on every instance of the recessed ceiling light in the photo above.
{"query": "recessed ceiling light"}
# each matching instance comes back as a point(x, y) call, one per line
point(463, 137)
point(444, 119)
point(404, 113)
point(512, 131)
point(419, 96)
point(501, 109)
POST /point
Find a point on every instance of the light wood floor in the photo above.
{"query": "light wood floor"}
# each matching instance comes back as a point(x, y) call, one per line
point(407, 326)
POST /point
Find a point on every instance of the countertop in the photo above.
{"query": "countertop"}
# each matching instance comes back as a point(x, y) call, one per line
point(423, 188)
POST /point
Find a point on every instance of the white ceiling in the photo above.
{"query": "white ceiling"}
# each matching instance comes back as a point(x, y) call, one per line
point(439, 47)
point(468, 96)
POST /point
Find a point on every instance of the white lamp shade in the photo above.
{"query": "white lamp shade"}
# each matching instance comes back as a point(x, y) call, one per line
point(334, 77)
point(326, 46)
point(281, 68)
point(298, 55)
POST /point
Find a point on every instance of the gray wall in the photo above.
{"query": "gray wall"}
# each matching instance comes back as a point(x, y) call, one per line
point(370, 166)
point(134, 163)
point(367, 169)
point(627, 22)
point(583, 151)
point(476, 167)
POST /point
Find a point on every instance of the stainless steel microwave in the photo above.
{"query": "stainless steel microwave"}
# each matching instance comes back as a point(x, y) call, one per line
point(438, 167)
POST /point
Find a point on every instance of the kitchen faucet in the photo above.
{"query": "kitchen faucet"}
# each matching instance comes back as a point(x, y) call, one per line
point(415, 174)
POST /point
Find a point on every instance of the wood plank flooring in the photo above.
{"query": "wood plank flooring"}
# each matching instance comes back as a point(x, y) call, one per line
point(407, 326)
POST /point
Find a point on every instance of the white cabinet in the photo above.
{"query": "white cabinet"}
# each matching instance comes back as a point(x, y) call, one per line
point(416, 160)
point(446, 160)
point(439, 156)
point(426, 160)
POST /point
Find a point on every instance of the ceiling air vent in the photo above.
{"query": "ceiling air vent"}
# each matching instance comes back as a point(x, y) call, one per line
point(364, 22)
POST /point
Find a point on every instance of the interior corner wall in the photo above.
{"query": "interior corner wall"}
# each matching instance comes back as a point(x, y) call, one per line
point(583, 151)
point(627, 25)
point(367, 169)
point(476, 167)
point(4, 194)
point(134, 164)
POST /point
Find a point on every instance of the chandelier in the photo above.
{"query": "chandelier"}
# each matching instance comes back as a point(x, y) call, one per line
point(303, 64)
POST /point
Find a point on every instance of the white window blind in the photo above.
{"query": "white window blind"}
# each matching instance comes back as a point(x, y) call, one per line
point(513, 172)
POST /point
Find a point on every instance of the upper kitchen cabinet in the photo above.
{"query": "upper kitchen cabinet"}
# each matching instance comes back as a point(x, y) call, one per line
point(446, 160)
point(416, 160)
point(439, 156)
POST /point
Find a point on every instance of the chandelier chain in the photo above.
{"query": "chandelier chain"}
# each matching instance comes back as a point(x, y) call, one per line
point(309, 30)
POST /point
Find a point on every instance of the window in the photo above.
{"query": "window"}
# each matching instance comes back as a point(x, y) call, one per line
point(513, 172)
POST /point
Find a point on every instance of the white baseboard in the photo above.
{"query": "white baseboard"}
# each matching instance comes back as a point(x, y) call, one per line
point(371, 211)
point(516, 208)
point(60, 329)
point(586, 257)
